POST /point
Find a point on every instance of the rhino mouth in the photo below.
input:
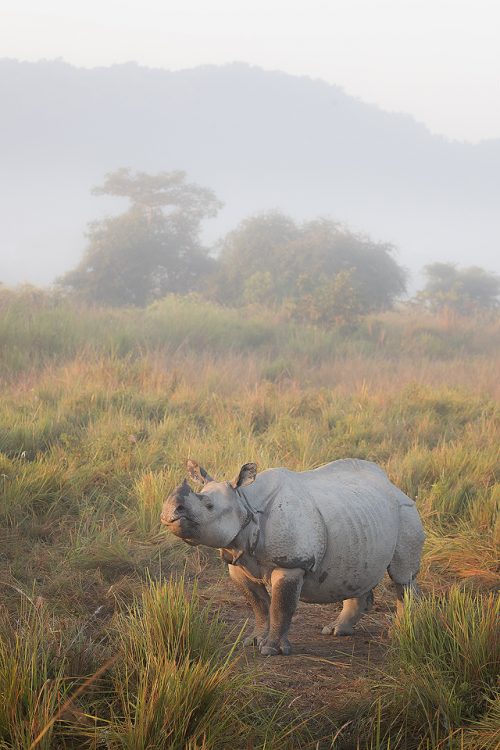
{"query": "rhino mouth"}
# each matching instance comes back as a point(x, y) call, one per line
point(180, 525)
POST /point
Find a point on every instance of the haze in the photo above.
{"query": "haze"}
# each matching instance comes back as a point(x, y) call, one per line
point(432, 190)
point(438, 60)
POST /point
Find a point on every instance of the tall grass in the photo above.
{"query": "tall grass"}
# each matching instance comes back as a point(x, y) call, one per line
point(170, 681)
point(100, 409)
point(175, 685)
point(33, 684)
point(40, 328)
point(440, 684)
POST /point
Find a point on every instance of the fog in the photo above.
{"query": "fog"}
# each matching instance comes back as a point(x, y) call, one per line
point(260, 140)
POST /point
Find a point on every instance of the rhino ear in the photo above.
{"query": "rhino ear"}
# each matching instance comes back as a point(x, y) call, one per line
point(247, 475)
point(197, 472)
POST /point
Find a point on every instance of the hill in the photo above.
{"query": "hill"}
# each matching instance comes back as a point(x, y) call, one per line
point(260, 139)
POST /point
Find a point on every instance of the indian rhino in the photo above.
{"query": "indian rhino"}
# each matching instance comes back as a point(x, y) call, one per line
point(320, 536)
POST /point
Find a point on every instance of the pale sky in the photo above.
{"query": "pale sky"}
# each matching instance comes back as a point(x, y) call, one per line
point(438, 60)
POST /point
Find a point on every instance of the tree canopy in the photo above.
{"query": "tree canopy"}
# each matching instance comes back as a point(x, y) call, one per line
point(319, 269)
point(151, 249)
point(465, 290)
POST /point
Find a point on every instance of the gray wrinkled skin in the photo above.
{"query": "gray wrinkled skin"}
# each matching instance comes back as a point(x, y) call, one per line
point(320, 536)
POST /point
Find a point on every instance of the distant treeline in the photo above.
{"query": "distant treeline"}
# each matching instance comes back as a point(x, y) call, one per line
point(316, 272)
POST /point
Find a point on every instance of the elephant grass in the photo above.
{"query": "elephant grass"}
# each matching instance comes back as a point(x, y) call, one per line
point(100, 409)
point(168, 678)
point(440, 685)
point(39, 328)
point(177, 684)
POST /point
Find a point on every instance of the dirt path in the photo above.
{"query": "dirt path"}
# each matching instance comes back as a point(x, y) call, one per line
point(323, 672)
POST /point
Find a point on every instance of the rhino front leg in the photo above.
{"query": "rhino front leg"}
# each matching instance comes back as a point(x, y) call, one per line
point(285, 592)
point(352, 612)
point(257, 597)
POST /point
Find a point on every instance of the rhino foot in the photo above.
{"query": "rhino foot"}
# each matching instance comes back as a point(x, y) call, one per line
point(352, 611)
point(338, 630)
point(269, 651)
point(274, 649)
point(344, 630)
point(286, 649)
point(256, 639)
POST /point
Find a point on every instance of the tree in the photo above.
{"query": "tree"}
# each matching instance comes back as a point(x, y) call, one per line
point(321, 271)
point(326, 249)
point(334, 301)
point(151, 249)
point(252, 255)
point(465, 290)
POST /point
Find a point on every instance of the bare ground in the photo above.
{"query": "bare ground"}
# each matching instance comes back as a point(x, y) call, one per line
point(325, 676)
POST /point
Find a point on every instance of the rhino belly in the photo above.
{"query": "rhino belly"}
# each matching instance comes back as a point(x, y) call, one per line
point(334, 584)
point(360, 545)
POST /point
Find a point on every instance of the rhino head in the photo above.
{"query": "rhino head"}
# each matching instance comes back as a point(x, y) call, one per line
point(213, 516)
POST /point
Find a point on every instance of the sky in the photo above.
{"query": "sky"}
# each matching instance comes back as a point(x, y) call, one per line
point(438, 60)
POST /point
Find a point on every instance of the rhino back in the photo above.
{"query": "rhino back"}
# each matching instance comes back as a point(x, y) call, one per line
point(342, 518)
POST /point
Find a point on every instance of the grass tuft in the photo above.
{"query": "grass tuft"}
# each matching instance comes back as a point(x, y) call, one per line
point(442, 670)
point(177, 684)
point(32, 680)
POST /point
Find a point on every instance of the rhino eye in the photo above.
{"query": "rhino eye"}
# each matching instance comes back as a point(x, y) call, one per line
point(210, 506)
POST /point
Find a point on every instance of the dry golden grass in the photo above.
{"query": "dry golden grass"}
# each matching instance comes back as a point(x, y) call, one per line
point(100, 410)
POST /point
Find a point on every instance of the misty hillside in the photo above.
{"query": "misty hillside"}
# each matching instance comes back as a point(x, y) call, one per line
point(260, 139)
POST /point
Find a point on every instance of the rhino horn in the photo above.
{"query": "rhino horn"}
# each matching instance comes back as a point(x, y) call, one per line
point(197, 472)
point(247, 475)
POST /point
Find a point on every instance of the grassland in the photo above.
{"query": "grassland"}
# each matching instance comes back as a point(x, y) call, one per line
point(113, 636)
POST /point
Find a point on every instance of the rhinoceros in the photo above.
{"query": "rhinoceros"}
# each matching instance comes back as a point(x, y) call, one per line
point(324, 535)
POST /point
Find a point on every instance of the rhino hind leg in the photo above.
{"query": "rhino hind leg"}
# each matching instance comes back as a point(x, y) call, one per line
point(405, 563)
point(404, 588)
point(257, 597)
point(404, 581)
point(352, 611)
point(286, 585)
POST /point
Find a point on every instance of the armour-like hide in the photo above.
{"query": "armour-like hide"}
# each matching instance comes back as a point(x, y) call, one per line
point(344, 524)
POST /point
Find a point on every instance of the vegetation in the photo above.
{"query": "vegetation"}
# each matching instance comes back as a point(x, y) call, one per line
point(316, 273)
point(319, 270)
point(150, 250)
point(108, 626)
point(441, 674)
point(465, 290)
point(38, 328)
